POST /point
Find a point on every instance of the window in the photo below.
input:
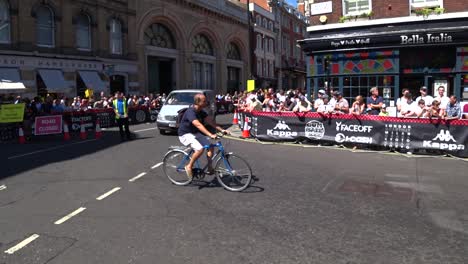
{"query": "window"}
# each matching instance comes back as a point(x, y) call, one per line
point(272, 50)
point(201, 45)
point(160, 36)
point(233, 52)
point(259, 67)
point(115, 37)
point(265, 44)
point(258, 20)
point(83, 32)
point(4, 22)
point(270, 25)
point(356, 7)
point(202, 75)
point(264, 23)
point(259, 42)
point(425, 3)
point(45, 27)
point(263, 67)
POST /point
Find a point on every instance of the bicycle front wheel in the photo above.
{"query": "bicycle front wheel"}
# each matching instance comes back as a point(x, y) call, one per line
point(233, 173)
point(174, 167)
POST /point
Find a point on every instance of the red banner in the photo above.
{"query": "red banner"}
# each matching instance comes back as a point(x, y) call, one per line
point(47, 125)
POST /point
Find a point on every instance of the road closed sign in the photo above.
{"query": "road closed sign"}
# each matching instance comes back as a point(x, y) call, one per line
point(48, 125)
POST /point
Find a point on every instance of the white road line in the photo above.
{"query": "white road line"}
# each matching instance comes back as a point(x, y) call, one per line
point(22, 244)
point(141, 130)
point(157, 165)
point(49, 149)
point(2, 187)
point(108, 193)
point(137, 177)
point(72, 214)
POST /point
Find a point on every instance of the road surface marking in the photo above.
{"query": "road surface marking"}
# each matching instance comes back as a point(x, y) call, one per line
point(49, 149)
point(72, 214)
point(108, 193)
point(137, 177)
point(22, 244)
point(141, 130)
point(157, 165)
point(2, 187)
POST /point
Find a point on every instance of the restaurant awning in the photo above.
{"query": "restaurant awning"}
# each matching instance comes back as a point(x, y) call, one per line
point(398, 35)
point(92, 81)
point(10, 81)
point(54, 81)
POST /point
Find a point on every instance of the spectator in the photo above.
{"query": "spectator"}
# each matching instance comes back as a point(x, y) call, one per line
point(444, 100)
point(290, 102)
point(254, 105)
point(326, 107)
point(465, 111)
point(18, 100)
point(424, 96)
point(303, 105)
point(406, 105)
point(318, 102)
point(383, 111)
point(374, 102)
point(76, 103)
point(435, 111)
point(403, 100)
point(453, 110)
point(281, 96)
point(418, 109)
point(358, 106)
point(341, 104)
point(56, 106)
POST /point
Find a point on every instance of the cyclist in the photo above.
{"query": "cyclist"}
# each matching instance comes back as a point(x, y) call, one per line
point(193, 133)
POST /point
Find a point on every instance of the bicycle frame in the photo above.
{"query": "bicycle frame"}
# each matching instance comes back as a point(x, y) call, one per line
point(220, 152)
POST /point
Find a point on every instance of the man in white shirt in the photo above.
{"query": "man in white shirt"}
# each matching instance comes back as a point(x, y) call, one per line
point(424, 96)
point(318, 102)
point(402, 101)
point(444, 100)
point(326, 107)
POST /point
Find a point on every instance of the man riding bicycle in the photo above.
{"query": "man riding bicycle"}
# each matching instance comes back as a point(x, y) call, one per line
point(193, 133)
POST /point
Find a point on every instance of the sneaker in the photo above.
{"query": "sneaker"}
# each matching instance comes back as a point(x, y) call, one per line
point(210, 171)
point(189, 172)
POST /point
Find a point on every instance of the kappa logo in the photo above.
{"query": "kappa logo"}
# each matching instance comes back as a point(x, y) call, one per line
point(282, 126)
point(281, 130)
point(444, 135)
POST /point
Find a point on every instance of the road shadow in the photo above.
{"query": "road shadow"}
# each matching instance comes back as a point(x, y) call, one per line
point(16, 158)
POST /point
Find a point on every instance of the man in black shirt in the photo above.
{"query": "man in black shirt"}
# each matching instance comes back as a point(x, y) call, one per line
point(193, 133)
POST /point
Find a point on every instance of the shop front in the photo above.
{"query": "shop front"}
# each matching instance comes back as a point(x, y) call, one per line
point(394, 55)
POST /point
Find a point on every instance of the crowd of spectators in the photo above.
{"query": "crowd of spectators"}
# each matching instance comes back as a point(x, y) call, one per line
point(53, 104)
point(440, 106)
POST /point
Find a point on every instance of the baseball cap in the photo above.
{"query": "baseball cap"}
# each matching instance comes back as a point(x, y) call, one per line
point(424, 88)
point(337, 93)
point(325, 96)
point(321, 91)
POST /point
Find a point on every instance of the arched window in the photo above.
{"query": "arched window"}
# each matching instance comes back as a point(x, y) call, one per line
point(233, 52)
point(270, 25)
point(115, 37)
point(4, 22)
point(160, 36)
point(201, 45)
point(258, 20)
point(265, 44)
point(83, 32)
point(264, 23)
point(272, 49)
point(45, 27)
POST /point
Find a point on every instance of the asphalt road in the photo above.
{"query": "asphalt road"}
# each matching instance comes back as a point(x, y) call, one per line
point(310, 205)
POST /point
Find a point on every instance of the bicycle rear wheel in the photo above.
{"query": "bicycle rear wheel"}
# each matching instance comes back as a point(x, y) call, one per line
point(174, 167)
point(233, 173)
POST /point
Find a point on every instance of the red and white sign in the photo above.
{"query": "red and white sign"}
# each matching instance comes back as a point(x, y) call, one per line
point(47, 125)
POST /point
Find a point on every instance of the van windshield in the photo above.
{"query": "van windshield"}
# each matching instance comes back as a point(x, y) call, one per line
point(180, 98)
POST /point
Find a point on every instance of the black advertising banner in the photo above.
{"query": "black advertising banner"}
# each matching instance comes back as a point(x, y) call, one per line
point(387, 132)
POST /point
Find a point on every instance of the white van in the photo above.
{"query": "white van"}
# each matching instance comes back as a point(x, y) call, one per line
point(177, 100)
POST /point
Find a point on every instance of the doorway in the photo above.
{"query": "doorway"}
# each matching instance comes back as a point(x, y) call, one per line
point(160, 75)
point(413, 82)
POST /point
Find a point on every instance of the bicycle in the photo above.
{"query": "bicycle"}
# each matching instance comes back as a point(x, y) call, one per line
point(231, 171)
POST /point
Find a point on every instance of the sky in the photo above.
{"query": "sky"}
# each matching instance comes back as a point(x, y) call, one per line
point(292, 2)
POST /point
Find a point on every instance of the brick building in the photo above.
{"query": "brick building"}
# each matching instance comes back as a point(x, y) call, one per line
point(187, 44)
point(396, 44)
point(64, 47)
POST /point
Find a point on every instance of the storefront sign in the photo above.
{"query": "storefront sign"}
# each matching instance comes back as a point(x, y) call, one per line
point(321, 8)
point(11, 113)
point(425, 38)
point(48, 63)
point(47, 125)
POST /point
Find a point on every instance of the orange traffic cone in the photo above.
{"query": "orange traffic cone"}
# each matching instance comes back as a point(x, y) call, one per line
point(83, 135)
point(21, 138)
point(66, 133)
point(235, 120)
point(98, 129)
point(246, 131)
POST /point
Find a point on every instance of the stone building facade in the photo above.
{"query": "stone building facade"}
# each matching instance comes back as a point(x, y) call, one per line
point(65, 47)
point(192, 44)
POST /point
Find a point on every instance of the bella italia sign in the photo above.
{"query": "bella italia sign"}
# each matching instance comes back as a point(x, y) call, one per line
point(426, 38)
point(48, 63)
